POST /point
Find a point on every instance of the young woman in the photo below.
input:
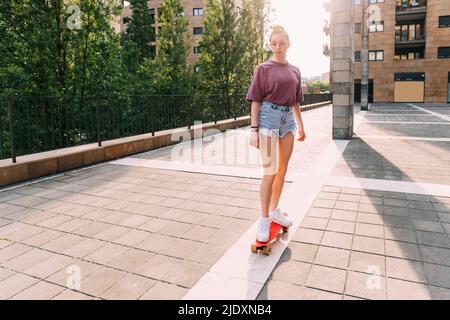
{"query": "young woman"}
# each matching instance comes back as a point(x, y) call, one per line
point(275, 93)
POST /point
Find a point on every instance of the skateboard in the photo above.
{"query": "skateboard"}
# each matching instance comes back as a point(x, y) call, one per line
point(266, 247)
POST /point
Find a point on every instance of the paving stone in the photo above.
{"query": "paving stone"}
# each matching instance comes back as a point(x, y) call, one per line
point(367, 263)
point(314, 223)
point(26, 260)
point(428, 226)
point(435, 255)
point(49, 266)
point(100, 280)
point(62, 243)
point(106, 253)
point(40, 291)
point(337, 240)
point(346, 205)
point(397, 221)
point(132, 238)
point(199, 233)
point(438, 293)
point(325, 278)
point(404, 290)
point(433, 239)
point(402, 250)
point(164, 291)
point(308, 236)
point(292, 272)
point(302, 251)
point(367, 244)
point(278, 290)
point(15, 284)
point(405, 270)
point(206, 254)
point(13, 251)
point(369, 230)
point(83, 248)
point(224, 238)
point(131, 260)
point(43, 238)
point(341, 226)
point(180, 248)
point(370, 218)
point(173, 270)
point(363, 285)
point(5, 273)
point(129, 287)
point(399, 234)
point(332, 257)
point(346, 215)
point(370, 208)
point(112, 233)
point(319, 212)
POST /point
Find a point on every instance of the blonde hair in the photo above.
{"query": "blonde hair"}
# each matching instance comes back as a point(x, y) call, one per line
point(277, 29)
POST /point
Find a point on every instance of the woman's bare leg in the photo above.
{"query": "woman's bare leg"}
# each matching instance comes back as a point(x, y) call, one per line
point(285, 147)
point(268, 157)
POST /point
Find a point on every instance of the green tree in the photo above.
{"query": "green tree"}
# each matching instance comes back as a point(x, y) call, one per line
point(220, 48)
point(253, 30)
point(140, 30)
point(168, 72)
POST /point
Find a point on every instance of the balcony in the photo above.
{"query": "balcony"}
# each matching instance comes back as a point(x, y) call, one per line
point(408, 10)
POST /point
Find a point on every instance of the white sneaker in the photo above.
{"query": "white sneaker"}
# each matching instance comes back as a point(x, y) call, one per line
point(263, 230)
point(278, 216)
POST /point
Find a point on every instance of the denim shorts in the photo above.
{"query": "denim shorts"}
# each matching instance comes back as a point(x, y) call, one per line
point(275, 118)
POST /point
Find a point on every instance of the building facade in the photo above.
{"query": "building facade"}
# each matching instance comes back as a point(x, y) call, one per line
point(194, 11)
point(409, 50)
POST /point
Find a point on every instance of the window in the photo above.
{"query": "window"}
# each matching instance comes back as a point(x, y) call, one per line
point(444, 21)
point(197, 11)
point(409, 32)
point(197, 68)
point(376, 55)
point(197, 50)
point(357, 1)
point(126, 20)
point(357, 27)
point(357, 56)
point(376, 26)
point(198, 30)
point(376, 1)
point(443, 52)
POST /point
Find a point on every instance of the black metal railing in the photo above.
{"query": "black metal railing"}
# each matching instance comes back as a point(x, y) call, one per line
point(36, 124)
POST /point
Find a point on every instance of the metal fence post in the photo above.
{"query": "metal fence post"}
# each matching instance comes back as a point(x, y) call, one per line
point(11, 131)
point(97, 111)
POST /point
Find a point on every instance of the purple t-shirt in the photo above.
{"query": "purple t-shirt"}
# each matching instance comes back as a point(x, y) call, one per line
point(279, 83)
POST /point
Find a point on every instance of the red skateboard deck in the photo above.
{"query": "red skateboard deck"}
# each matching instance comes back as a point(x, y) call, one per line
point(274, 232)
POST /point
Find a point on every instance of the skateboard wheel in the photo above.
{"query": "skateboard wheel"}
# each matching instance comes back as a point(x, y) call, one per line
point(254, 248)
point(267, 251)
point(285, 229)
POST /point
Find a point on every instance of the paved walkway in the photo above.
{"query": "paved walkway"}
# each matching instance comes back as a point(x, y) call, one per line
point(372, 219)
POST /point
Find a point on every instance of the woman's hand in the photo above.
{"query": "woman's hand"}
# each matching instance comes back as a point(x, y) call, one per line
point(254, 139)
point(301, 134)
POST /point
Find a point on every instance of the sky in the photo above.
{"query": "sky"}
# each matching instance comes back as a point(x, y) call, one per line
point(303, 20)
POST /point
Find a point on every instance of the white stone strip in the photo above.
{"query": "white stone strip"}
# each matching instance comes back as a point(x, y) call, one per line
point(406, 122)
point(241, 274)
point(433, 189)
point(374, 136)
point(401, 114)
point(443, 117)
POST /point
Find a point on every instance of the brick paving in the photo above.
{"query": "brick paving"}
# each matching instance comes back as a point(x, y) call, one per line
point(131, 232)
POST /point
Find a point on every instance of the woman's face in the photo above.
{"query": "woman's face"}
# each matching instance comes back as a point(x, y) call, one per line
point(279, 45)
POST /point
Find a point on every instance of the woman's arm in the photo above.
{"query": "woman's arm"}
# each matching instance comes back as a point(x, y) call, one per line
point(298, 119)
point(254, 135)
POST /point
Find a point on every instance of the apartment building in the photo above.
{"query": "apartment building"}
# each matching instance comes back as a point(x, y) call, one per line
point(194, 11)
point(409, 50)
